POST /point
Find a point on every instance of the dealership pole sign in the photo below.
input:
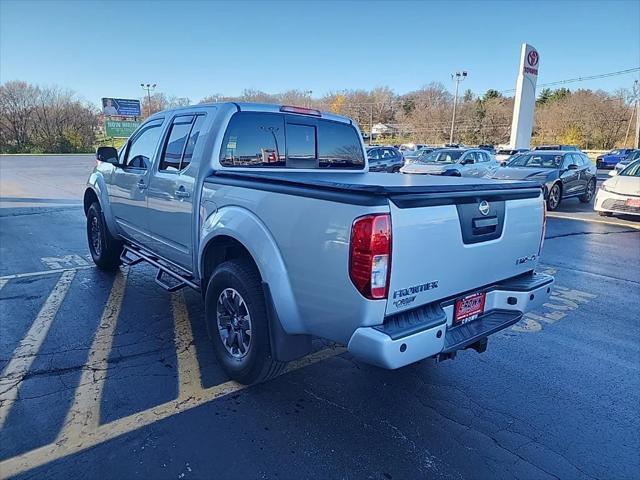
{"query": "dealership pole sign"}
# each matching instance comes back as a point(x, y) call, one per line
point(120, 128)
point(525, 101)
point(120, 107)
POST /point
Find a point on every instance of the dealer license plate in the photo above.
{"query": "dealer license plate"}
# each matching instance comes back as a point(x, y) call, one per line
point(468, 308)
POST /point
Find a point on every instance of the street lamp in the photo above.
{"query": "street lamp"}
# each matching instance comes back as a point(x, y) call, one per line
point(148, 87)
point(456, 77)
point(308, 93)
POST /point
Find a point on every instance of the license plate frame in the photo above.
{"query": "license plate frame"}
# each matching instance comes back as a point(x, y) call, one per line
point(468, 308)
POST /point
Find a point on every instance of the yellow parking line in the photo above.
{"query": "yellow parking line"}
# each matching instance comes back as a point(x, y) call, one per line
point(68, 446)
point(24, 355)
point(594, 220)
point(84, 414)
point(45, 272)
point(188, 367)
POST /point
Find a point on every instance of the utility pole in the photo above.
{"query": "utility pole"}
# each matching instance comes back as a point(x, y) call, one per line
point(456, 77)
point(371, 124)
point(148, 87)
point(637, 92)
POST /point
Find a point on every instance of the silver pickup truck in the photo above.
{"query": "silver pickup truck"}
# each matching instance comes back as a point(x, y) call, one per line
point(271, 213)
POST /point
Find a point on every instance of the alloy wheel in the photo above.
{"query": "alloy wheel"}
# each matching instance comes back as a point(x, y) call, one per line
point(554, 197)
point(234, 323)
point(96, 236)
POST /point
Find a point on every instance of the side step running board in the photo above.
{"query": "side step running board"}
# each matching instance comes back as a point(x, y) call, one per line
point(131, 256)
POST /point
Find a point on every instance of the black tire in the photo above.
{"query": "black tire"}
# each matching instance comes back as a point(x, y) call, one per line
point(587, 196)
point(554, 197)
point(256, 364)
point(105, 250)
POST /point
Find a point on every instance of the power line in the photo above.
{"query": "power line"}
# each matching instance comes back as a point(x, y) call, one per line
point(582, 79)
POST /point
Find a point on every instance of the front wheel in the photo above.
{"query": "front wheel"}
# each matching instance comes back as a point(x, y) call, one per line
point(105, 250)
point(554, 196)
point(237, 322)
point(588, 194)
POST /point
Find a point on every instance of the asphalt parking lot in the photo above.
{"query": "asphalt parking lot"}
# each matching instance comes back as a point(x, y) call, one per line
point(109, 376)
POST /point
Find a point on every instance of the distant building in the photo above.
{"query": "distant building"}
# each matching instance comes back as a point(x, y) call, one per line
point(382, 129)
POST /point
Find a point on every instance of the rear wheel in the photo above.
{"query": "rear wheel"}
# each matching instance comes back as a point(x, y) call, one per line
point(105, 250)
point(237, 323)
point(588, 194)
point(554, 197)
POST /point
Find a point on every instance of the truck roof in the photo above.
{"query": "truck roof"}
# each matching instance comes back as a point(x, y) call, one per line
point(253, 107)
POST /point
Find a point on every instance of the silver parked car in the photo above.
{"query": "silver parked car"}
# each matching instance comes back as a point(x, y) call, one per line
point(457, 162)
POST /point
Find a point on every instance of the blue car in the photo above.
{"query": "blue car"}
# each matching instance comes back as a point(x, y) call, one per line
point(610, 159)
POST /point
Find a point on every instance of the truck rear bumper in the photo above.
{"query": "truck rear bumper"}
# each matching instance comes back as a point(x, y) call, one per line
point(427, 331)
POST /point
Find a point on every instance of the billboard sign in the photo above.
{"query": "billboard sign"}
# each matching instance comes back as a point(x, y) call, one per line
point(120, 107)
point(120, 128)
point(525, 101)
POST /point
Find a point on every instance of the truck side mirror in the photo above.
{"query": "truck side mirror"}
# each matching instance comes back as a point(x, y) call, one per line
point(107, 154)
point(573, 166)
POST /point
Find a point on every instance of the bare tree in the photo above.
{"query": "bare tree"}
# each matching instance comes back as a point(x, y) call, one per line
point(17, 104)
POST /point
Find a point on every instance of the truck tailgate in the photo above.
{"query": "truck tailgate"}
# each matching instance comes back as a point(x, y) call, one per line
point(471, 241)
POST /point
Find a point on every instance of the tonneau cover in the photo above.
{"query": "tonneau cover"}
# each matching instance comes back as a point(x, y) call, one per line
point(382, 184)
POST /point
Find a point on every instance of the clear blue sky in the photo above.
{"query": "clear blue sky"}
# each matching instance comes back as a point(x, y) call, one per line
point(192, 49)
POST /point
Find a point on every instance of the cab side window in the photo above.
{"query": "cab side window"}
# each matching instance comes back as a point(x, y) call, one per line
point(180, 143)
point(191, 144)
point(143, 146)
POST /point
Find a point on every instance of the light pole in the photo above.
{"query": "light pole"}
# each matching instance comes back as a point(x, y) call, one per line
point(456, 77)
point(148, 87)
point(637, 92)
point(307, 93)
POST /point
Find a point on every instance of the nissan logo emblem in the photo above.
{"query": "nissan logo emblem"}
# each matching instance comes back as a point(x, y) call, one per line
point(484, 207)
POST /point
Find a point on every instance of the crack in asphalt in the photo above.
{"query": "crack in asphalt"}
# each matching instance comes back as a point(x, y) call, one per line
point(398, 433)
point(535, 439)
point(573, 234)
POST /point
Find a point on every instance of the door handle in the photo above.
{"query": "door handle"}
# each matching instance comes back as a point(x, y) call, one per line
point(141, 184)
point(182, 193)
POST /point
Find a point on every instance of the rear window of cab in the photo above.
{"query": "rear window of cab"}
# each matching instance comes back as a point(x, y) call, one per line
point(276, 140)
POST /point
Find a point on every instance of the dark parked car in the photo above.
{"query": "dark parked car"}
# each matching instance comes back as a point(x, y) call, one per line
point(631, 157)
point(385, 159)
point(489, 148)
point(505, 155)
point(612, 158)
point(563, 174)
point(568, 148)
point(408, 155)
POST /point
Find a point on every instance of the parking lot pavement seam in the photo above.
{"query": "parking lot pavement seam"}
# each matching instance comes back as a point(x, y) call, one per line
point(69, 445)
point(573, 234)
point(24, 355)
point(44, 272)
point(592, 220)
point(84, 414)
point(189, 380)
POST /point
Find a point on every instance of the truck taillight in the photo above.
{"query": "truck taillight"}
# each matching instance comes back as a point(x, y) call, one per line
point(370, 255)
point(544, 225)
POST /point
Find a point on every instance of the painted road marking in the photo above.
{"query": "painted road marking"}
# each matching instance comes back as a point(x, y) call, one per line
point(24, 355)
point(561, 301)
point(3, 282)
point(44, 272)
point(593, 220)
point(84, 414)
point(68, 446)
point(188, 367)
point(68, 261)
